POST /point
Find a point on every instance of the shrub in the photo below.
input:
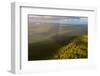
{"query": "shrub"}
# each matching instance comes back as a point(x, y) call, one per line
point(76, 48)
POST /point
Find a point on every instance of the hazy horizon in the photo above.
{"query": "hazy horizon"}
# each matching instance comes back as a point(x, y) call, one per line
point(57, 19)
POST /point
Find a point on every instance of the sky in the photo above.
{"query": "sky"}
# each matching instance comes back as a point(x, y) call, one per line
point(57, 19)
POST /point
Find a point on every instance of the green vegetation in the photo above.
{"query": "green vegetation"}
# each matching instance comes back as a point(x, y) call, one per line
point(76, 48)
point(48, 49)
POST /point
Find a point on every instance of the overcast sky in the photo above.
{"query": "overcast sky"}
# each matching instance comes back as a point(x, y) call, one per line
point(57, 19)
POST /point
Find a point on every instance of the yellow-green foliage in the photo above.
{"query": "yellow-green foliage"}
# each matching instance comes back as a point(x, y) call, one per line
point(76, 48)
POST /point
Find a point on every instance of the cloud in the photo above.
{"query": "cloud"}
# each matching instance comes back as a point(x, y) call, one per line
point(57, 19)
